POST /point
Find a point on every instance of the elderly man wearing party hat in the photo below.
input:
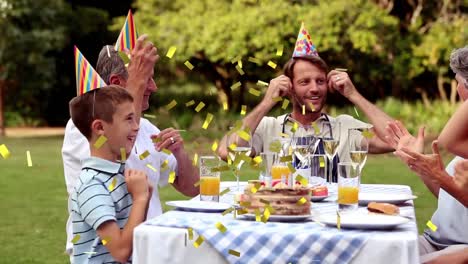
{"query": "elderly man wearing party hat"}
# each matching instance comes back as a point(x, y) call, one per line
point(148, 153)
point(306, 83)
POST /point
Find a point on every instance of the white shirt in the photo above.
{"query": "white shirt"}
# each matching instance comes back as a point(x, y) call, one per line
point(76, 148)
point(451, 218)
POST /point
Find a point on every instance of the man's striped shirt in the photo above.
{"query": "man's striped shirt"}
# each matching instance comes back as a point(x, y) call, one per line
point(100, 195)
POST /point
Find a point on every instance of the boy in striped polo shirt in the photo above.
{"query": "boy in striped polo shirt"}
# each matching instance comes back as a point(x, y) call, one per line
point(107, 203)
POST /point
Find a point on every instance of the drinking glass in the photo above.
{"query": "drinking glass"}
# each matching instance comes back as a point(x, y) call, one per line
point(348, 186)
point(331, 141)
point(358, 147)
point(239, 145)
point(209, 179)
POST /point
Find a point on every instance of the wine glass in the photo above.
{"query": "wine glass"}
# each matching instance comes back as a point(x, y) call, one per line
point(358, 147)
point(239, 145)
point(303, 145)
point(331, 141)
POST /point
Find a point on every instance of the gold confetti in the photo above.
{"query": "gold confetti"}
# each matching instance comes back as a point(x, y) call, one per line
point(227, 211)
point(225, 106)
point(236, 59)
point(172, 177)
point(338, 220)
point(312, 107)
point(266, 215)
point(286, 159)
point(168, 152)
point(233, 146)
point(198, 183)
point(90, 253)
point(149, 116)
point(144, 155)
point(431, 226)
point(171, 52)
point(239, 69)
point(221, 227)
point(189, 65)
point(367, 134)
point(302, 180)
point(303, 109)
point(124, 56)
point(285, 104)
point(165, 163)
point(207, 122)
point(171, 105)
point(257, 215)
point(190, 233)
point(156, 140)
point(190, 103)
point(355, 110)
point(262, 83)
point(291, 168)
point(294, 127)
point(322, 162)
point(254, 60)
point(195, 159)
point(198, 242)
point(243, 110)
point(123, 154)
point(113, 184)
point(243, 134)
point(241, 211)
point(221, 168)
point(105, 241)
point(284, 135)
point(75, 239)
point(277, 99)
point(257, 160)
point(239, 63)
point(272, 64)
point(28, 158)
point(341, 69)
point(199, 107)
point(270, 208)
point(235, 253)
point(302, 201)
point(316, 128)
point(254, 92)
point(275, 146)
point(245, 204)
point(234, 86)
point(279, 51)
point(151, 167)
point(224, 192)
point(4, 151)
point(255, 188)
point(100, 141)
point(264, 201)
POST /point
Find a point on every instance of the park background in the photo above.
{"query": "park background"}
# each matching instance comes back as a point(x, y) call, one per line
point(396, 53)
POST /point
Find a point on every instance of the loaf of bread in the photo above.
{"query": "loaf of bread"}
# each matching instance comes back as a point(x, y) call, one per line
point(383, 208)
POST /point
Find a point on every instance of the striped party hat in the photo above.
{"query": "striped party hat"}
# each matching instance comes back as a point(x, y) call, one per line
point(304, 45)
point(87, 79)
point(128, 36)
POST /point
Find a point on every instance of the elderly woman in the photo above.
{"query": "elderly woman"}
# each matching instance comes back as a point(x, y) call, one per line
point(449, 242)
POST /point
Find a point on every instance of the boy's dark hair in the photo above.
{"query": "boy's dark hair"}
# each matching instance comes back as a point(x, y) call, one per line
point(97, 104)
point(315, 60)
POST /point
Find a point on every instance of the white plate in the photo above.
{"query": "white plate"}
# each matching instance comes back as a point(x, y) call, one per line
point(199, 206)
point(396, 198)
point(281, 218)
point(360, 220)
point(318, 198)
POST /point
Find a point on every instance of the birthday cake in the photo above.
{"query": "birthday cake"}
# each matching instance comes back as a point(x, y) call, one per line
point(282, 199)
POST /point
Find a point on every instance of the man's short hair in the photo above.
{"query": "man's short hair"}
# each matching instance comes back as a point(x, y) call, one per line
point(109, 62)
point(97, 104)
point(459, 63)
point(315, 60)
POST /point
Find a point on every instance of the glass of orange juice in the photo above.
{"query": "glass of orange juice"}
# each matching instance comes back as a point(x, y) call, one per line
point(348, 186)
point(209, 179)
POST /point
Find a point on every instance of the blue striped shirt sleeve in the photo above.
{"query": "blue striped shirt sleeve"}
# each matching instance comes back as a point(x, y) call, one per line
point(96, 204)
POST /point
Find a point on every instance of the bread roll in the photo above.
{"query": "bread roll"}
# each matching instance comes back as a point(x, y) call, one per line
point(383, 208)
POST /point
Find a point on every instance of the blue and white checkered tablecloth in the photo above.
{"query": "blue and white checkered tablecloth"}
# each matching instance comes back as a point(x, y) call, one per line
point(271, 242)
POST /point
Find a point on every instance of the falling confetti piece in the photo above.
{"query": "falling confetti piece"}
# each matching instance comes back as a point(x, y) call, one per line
point(190, 103)
point(270, 208)
point(28, 158)
point(302, 180)
point(236, 85)
point(285, 104)
point(100, 141)
point(341, 69)
point(255, 188)
point(124, 57)
point(156, 140)
point(243, 134)
point(277, 99)
point(214, 146)
point(257, 215)
point(112, 185)
point(312, 107)
point(316, 128)
point(239, 69)
point(4, 151)
point(236, 59)
point(239, 63)
point(262, 83)
point(355, 110)
point(172, 177)
point(195, 159)
point(367, 134)
point(208, 119)
point(220, 169)
point(149, 116)
point(166, 151)
point(123, 154)
point(144, 155)
point(171, 105)
point(199, 107)
point(190, 233)
point(243, 110)
point(224, 191)
point(105, 241)
point(254, 60)
point(286, 159)
point(272, 64)
point(266, 215)
point(241, 211)
point(75, 239)
point(294, 127)
point(221, 227)
point(291, 168)
point(189, 65)
point(225, 106)
point(431, 226)
point(303, 109)
point(302, 201)
point(89, 253)
point(322, 162)
point(234, 253)
point(171, 52)
point(198, 242)
point(284, 135)
point(279, 51)
point(197, 183)
point(338, 220)
point(257, 159)
point(264, 201)
point(254, 92)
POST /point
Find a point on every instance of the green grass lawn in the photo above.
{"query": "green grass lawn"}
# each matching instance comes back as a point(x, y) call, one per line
point(34, 200)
